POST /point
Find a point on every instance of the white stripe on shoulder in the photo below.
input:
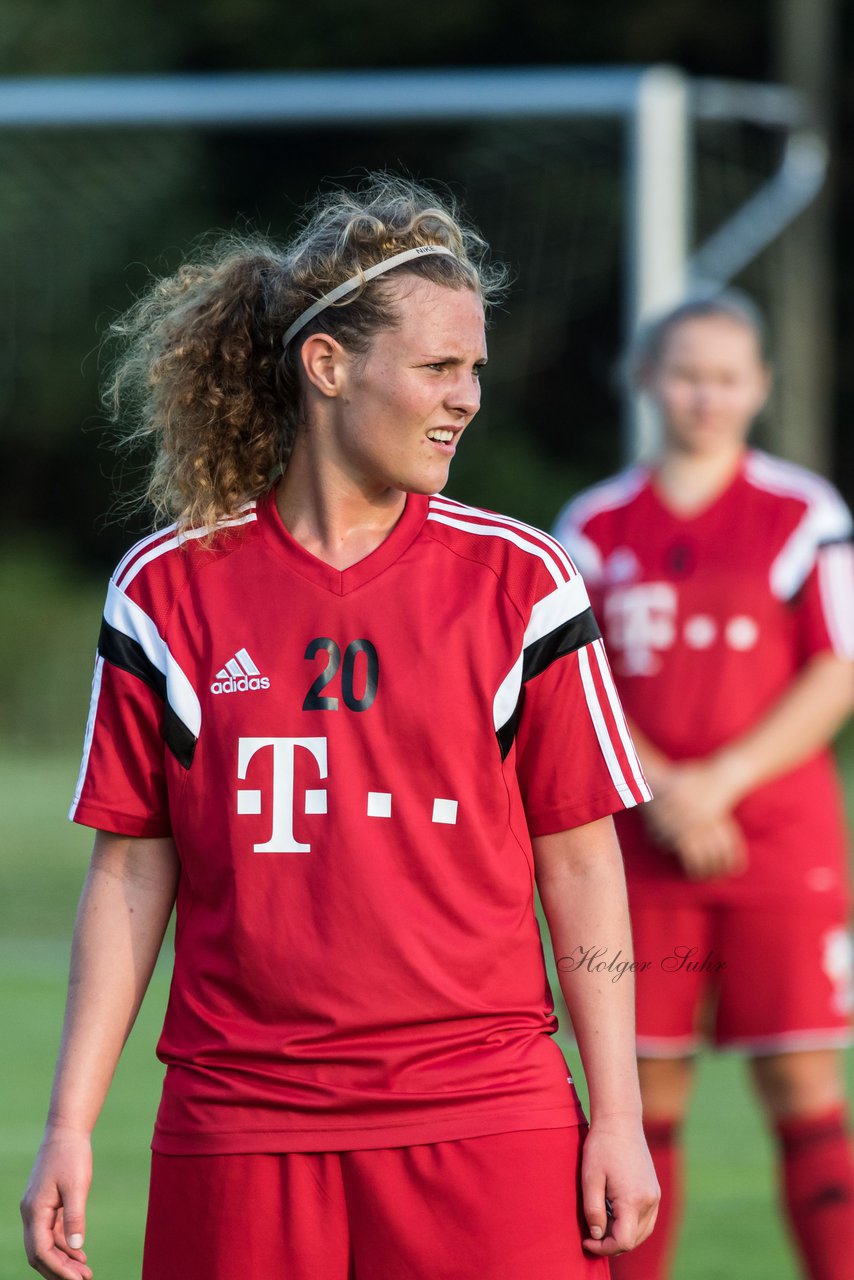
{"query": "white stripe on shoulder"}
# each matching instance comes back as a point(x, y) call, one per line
point(836, 589)
point(825, 518)
point(608, 495)
point(128, 617)
point(620, 719)
point(140, 546)
point(603, 736)
point(507, 696)
point(90, 733)
point(538, 535)
point(585, 554)
point(779, 475)
point(561, 605)
point(557, 571)
point(787, 479)
point(179, 539)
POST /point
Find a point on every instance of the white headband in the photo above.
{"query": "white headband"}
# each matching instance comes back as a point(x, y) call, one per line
point(362, 278)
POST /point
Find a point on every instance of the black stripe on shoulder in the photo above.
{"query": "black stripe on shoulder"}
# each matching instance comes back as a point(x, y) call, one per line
point(507, 732)
point(115, 647)
point(178, 738)
point(128, 654)
point(569, 636)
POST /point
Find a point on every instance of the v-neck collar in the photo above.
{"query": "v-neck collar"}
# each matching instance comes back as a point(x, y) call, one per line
point(342, 581)
point(708, 508)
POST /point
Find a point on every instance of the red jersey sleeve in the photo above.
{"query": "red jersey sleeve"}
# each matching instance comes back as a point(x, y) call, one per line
point(142, 705)
point(814, 572)
point(825, 605)
point(575, 760)
point(571, 532)
point(122, 785)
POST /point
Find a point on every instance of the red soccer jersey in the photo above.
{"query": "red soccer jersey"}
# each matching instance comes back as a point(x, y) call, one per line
point(708, 618)
point(351, 764)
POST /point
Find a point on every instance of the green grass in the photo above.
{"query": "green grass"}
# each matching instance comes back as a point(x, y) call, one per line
point(31, 999)
point(733, 1226)
point(41, 871)
point(732, 1216)
point(730, 1193)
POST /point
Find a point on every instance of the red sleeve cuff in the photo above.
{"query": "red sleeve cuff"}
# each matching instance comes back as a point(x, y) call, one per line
point(102, 818)
point(548, 822)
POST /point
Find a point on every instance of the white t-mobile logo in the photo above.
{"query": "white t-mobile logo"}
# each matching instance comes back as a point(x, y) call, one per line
point(640, 623)
point(282, 838)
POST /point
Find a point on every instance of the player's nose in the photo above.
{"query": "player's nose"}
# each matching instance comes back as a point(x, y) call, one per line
point(464, 396)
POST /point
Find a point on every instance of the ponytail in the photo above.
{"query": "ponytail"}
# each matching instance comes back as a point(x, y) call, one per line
point(201, 373)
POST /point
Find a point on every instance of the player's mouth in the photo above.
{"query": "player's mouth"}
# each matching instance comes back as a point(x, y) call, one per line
point(444, 439)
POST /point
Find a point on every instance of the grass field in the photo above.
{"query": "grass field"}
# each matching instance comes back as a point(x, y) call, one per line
point(732, 1221)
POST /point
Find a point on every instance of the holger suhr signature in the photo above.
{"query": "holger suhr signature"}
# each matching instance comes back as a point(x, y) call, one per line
point(681, 959)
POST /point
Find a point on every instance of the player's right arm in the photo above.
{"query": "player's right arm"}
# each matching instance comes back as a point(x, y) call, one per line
point(583, 892)
point(125, 906)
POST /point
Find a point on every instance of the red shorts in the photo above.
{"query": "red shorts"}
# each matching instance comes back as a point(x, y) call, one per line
point(503, 1207)
point(759, 979)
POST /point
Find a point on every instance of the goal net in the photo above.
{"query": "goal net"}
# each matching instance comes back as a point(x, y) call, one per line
point(89, 210)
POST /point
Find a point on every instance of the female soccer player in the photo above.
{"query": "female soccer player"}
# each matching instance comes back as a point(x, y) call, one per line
point(331, 713)
point(724, 579)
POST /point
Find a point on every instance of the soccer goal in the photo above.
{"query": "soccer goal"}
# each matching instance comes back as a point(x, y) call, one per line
point(609, 192)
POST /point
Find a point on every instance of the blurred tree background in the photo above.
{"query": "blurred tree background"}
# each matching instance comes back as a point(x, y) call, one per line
point(87, 216)
point(75, 247)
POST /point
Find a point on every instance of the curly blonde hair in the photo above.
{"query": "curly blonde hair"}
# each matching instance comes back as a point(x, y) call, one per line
point(201, 370)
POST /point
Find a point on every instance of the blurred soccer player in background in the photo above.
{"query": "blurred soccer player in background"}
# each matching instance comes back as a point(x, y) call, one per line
point(724, 581)
point(330, 713)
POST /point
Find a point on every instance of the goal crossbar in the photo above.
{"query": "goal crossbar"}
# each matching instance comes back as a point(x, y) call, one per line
point(656, 104)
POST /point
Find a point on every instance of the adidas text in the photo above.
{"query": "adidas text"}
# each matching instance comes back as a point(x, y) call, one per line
point(240, 685)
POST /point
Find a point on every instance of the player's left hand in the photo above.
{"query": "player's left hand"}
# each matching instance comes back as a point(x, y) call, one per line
point(616, 1165)
point(714, 849)
point(694, 794)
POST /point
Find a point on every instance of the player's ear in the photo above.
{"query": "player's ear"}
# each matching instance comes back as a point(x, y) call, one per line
point(324, 362)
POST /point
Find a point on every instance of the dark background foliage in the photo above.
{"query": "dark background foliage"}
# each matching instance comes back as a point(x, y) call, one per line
point(74, 252)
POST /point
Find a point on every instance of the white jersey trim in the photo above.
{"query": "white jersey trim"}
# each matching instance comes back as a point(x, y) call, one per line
point(826, 518)
point(606, 746)
point(836, 589)
point(128, 617)
point(558, 573)
point(608, 495)
point(181, 537)
point(789, 1042)
point(138, 547)
point(89, 735)
point(538, 536)
point(620, 720)
point(583, 550)
point(561, 605)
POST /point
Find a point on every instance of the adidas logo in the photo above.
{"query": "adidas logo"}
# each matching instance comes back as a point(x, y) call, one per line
point(238, 675)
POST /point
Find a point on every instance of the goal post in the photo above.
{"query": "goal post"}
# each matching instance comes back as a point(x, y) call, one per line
point(658, 109)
